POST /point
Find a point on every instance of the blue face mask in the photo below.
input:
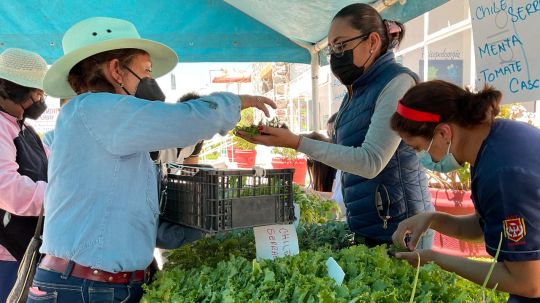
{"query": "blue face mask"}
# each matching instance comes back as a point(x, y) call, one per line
point(447, 164)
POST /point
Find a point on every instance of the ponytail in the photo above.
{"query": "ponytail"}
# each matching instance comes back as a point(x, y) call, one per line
point(477, 108)
point(395, 32)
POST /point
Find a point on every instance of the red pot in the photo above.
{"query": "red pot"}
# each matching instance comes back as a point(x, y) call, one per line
point(243, 158)
point(299, 165)
point(452, 246)
point(455, 202)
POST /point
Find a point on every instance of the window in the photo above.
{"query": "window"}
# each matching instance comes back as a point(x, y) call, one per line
point(448, 14)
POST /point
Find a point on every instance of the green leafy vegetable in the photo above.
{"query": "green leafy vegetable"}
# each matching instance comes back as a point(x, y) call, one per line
point(370, 276)
point(209, 251)
point(313, 208)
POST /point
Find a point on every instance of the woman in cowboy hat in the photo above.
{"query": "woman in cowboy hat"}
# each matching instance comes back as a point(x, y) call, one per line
point(23, 160)
point(101, 205)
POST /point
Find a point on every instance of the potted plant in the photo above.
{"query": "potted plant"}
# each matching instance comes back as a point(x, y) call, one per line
point(289, 158)
point(241, 151)
point(450, 193)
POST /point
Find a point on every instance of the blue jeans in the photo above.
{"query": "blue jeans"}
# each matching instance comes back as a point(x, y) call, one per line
point(55, 287)
point(8, 275)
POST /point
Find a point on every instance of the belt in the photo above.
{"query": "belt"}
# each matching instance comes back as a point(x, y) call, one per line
point(59, 265)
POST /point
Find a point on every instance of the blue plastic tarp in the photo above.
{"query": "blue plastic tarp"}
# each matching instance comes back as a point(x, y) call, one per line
point(198, 30)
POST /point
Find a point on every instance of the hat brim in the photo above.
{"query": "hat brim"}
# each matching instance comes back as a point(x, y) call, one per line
point(55, 84)
point(21, 82)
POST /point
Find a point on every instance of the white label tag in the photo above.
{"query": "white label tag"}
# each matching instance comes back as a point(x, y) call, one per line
point(335, 271)
point(275, 241)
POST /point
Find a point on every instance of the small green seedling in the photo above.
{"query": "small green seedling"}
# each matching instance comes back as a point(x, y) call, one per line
point(253, 130)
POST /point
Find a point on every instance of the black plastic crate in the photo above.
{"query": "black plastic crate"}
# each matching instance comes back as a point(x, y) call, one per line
point(215, 200)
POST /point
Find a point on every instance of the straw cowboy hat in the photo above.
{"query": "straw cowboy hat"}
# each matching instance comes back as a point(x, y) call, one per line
point(22, 67)
point(96, 35)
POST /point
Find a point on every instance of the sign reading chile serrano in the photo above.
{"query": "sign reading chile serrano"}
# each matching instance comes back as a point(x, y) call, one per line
point(506, 47)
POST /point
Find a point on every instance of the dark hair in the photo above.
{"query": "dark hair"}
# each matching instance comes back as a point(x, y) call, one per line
point(332, 119)
point(188, 96)
point(366, 19)
point(321, 174)
point(87, 75)
point(15, 92)
point(453, 103)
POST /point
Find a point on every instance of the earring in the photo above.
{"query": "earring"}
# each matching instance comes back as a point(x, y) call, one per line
point(121, 84)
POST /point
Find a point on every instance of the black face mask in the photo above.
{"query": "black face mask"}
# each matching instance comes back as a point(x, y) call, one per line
point(344, 69)
point(147, 89)
point(35, 110)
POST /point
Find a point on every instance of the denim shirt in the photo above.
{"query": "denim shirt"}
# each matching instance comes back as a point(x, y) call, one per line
point(101, 207)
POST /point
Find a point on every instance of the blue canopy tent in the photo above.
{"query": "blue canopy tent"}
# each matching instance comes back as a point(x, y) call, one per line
point(200, 30)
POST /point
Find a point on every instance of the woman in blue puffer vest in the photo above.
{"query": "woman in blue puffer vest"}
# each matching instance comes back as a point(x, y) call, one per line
point(383, 182)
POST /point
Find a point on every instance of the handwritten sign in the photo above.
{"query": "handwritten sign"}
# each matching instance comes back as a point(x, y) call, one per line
point(507, 47)
point(274, 241)
point(335, 271)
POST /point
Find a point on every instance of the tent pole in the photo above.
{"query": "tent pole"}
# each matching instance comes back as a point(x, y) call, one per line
point(314, 50)
point(315, 67)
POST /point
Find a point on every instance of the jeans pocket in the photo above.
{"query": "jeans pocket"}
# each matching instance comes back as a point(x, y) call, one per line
point(100, 295)
point(134, 293)
point(37, 295)
point(124, 296)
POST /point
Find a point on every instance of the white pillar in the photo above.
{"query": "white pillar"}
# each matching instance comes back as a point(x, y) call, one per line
point(314, 125)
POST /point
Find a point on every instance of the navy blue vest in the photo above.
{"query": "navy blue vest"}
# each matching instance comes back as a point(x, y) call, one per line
point(400, 190)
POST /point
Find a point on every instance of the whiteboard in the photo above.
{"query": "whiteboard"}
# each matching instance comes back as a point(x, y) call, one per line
point(506, 45)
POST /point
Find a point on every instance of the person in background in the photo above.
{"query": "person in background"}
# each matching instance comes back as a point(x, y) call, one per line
point(101, 206)
point(171, 235)
point(23, 158)
point(183, 155)
point(382, 180)
point(337, 195)
point(448, 126)
point(193, 157)
point(321, 175)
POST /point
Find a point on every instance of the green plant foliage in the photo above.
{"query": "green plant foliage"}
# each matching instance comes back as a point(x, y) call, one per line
point(313, 208)
point(287, 153)
point(247, 125)
point(370, 276)
point(213, 249)
point(459, 179)
point(222, 268)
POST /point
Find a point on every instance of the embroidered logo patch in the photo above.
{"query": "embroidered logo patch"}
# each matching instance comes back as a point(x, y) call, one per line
point(514, 229)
